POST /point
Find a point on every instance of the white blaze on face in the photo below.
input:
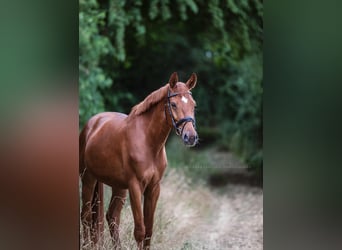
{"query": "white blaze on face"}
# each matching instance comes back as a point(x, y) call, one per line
point(184, 99)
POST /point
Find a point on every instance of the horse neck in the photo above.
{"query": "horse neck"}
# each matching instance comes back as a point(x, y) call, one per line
point(157, 126)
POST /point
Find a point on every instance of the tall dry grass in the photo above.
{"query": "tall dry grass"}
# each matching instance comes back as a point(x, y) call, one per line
point(193, 217)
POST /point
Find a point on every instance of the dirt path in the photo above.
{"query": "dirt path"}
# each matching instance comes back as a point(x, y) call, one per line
point(204, 219)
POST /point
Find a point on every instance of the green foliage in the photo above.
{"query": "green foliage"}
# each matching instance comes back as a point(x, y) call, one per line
point(243, 95)
point(92, 45)
point(130, 48)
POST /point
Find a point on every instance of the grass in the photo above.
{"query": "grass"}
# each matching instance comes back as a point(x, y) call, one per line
point(174, 220)
point(199, 164)
point(189, 215)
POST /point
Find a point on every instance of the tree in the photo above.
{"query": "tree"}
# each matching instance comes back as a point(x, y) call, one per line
point(125, 44)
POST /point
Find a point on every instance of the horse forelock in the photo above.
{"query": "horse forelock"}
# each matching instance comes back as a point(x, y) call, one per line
point(151, 100)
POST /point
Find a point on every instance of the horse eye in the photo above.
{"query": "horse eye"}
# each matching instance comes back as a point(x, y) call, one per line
point(173, 105)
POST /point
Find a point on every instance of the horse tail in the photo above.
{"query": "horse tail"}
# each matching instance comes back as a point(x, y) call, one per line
point(98, 209)
point(82, 145)
point(97, 204)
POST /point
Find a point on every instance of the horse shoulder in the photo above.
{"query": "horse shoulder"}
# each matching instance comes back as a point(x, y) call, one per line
point(161, 162)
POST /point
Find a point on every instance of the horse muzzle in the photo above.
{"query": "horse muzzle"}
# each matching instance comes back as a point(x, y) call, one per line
point(189, 136)
point(190, 139)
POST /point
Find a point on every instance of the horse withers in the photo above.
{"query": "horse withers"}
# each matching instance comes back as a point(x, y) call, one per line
point(127, 152)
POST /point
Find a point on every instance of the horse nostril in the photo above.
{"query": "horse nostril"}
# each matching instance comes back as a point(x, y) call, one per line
point(193, 139)
point(186, 137)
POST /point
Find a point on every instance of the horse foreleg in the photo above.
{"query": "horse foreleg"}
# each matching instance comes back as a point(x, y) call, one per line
point(135, 194)
point(150, 202)
point(113, 214)
point(88, 186)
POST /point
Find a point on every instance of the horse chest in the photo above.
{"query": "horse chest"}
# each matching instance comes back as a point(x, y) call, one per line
point(146, 172)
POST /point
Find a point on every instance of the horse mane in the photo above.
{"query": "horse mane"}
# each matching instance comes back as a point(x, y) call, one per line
point(151, 100)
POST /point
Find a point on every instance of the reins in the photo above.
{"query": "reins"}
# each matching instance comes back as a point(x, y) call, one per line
point(185, 120)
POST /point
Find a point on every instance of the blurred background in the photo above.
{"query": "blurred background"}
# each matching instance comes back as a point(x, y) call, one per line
point(127, 49)
point(211, 195)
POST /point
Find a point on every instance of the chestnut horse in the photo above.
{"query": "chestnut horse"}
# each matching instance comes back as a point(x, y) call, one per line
point(128, 153)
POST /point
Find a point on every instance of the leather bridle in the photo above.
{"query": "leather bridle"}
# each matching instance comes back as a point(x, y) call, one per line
point(185, 120)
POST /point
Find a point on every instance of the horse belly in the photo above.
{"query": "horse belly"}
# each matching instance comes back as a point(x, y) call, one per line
point(112, 175)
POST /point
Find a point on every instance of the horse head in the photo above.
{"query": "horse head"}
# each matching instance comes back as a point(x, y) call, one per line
point(181, 108)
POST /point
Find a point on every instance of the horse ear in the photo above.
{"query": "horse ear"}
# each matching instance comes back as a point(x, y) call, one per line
point(191, 83)
point(173, 79)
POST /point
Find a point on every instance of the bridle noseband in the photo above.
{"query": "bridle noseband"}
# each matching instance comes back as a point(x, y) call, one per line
point(185, 120)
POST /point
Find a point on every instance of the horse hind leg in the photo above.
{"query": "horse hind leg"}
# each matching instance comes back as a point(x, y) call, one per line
point(97, 212)
point(88, 186)
point(117, 202)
